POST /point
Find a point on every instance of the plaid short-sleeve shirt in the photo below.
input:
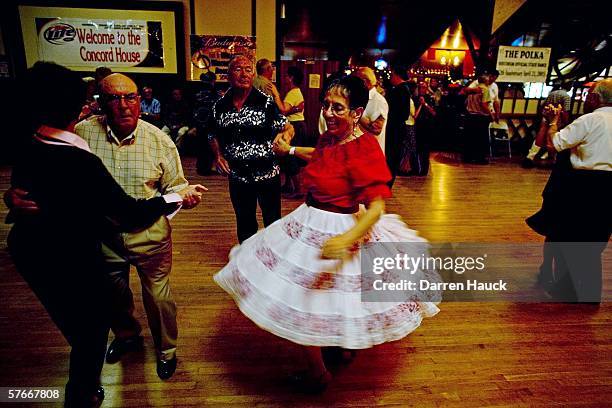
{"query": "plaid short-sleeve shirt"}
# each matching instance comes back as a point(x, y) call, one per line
point(146, 163)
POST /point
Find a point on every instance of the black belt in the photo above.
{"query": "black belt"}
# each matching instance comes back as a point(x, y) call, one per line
point(311, 202)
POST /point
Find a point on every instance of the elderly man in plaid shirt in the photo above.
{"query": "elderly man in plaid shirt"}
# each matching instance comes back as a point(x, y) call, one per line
point(145, 162)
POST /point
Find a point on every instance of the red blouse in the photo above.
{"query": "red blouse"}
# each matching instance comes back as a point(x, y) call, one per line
point(348, 174)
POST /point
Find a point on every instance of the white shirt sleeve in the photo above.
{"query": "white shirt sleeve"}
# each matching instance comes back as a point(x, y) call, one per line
point(376, 108)
point(173, 198)
point(494, 91)
point(573, 134)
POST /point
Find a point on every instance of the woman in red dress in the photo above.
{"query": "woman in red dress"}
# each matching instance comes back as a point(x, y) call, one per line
point(300, 278)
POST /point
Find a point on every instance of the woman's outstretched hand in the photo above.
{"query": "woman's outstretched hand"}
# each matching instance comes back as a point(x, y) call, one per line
point(281, 147)
point(337, 247)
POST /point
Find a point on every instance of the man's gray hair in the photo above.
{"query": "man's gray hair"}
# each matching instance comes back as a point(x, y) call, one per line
point(603, 88)
point(261, 65)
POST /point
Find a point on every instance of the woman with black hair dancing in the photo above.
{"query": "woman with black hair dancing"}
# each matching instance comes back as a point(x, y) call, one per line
point(300, 278)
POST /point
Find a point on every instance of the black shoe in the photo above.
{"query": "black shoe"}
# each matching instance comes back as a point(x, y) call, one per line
point(75, 399)
point(337, 355)
point(119, 347)
point(560, 294)
point(527, 164)
point(306, 384)
point(166, 368)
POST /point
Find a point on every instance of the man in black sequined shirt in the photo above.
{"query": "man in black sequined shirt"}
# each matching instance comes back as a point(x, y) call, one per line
point(245, 123)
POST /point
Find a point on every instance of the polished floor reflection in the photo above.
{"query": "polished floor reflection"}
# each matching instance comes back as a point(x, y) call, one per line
point(470, 354)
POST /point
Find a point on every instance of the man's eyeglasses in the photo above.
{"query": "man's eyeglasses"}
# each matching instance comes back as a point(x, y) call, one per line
point(130, 99)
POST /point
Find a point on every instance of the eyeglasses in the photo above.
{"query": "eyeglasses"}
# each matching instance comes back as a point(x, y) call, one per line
point(130, 99)
point(336, 108)
point(237, 70)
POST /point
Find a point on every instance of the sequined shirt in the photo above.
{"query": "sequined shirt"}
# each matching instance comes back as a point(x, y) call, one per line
point(245, 136)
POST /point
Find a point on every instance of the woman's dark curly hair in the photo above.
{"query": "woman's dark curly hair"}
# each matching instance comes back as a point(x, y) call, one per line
point(352, 88)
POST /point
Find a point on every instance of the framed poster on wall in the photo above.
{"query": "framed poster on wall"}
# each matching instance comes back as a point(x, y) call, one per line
point(142, 41)
point(214, 52)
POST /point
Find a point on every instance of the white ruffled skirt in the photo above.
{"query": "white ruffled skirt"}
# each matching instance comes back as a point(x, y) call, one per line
point(280, 282)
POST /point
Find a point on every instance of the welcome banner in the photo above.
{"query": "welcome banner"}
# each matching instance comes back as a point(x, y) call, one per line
point(83, 39)
point(82, 43)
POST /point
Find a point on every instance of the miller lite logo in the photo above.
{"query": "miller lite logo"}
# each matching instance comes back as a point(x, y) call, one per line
point(59, 33)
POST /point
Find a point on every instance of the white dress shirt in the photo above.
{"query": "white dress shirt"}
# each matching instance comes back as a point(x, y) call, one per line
point(377, 106)
point(590, 139)
point(494, 92)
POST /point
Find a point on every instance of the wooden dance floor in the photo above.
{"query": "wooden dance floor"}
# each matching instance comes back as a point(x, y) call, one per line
point(469, 355)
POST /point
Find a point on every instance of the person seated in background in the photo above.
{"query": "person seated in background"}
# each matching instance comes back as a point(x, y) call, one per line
point(150, 108)
point(176, 117)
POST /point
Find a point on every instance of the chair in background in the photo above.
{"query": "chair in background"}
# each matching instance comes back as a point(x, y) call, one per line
point(498, 132)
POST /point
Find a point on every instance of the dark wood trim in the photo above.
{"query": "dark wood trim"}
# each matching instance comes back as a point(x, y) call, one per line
point(279, 38)
point(254, 18)
point(192, 20)
point(467, 33)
